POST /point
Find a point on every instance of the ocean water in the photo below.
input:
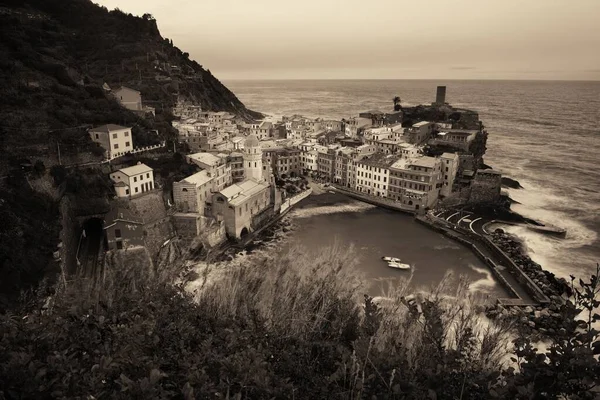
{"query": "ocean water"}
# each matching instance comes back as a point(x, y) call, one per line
point(546, 134)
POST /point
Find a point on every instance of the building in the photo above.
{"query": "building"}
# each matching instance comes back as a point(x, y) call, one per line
point(459, 139)
point(264, 130)
point(343, 157)
point(236, 163)
point(449, 169)
point(486, 187)
point(415, 181)
point(216, 167)
point(133, 180)
point(372, 174)
point(286, 162)
point(190, 194)
point(308, 161)
point(419, 132)
point(326, 164)
point(440, 97)
point(129, 98)
point(115, 139)
point(242, 206)
point(253, 158)
point(122, 230)
point(333, 125)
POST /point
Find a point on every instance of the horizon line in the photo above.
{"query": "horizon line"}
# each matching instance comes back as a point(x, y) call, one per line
point(408, 79)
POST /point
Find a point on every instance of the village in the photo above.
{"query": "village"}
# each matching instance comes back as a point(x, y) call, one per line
point(249, 173)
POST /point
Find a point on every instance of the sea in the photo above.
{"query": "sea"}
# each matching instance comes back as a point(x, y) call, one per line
point(545, 134)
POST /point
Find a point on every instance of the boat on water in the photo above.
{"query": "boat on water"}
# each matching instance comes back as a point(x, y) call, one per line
point(398, 265)
point(392, 259)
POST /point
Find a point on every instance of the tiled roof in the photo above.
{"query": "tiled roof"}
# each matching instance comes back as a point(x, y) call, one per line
point(108, 128)
point(205, 158)
point(198, 179)
point(136, 170)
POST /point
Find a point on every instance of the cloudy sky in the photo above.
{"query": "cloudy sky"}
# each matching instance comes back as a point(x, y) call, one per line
point(383, 39)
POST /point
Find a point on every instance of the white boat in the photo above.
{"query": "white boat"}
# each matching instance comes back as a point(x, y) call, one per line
point(398, 265)
point(392, 259)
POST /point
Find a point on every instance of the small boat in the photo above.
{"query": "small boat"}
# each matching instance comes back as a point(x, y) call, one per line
point(392, 259)
point(398, 265)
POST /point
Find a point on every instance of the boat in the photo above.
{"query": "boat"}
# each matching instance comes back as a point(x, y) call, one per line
point(398, 265)
point(392, 259)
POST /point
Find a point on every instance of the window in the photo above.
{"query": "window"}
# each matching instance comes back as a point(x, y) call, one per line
point(119, 245)
point(114, 135)
point(136, 190)
point(116, 146)
point(126, 191)
point(135, 178)
point(127, 134)
point(117, 233)
point(97, 136)
point(126, 144)
point(148, 175)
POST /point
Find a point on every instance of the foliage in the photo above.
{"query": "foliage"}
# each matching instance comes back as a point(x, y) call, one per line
point(285, 326)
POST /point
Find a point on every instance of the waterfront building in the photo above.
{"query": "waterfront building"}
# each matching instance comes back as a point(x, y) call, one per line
point(375, 134)
point(343, 157)
point(372, 174)
point(133, 180)
point(115, 139)
point(356, 125)
point(240, 205)
point(309, 160)
point(333, 125)
point(459, 139)
point(486, 187)
point(326, 163)
point(415, 181)
point(286, 162)
point(449, 170)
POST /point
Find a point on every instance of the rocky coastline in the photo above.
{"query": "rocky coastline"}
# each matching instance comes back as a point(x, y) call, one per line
point(542, 320)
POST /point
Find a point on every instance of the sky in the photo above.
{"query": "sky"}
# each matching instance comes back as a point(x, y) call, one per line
point(382, 39)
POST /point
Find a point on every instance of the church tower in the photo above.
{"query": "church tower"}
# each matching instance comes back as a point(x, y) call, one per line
point(253, 158)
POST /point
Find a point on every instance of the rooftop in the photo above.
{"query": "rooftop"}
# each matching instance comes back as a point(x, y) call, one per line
point(205, 158)
point(136, 169)
point(380, 160)
point(108, 128)
point(420, 124)
point(427, 162)
point(449, 155)
point(238, 193)
point(198, 179)
point(120, 214)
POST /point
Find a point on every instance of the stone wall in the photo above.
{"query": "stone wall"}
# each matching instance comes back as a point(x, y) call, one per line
point(486, 187)
point(262, 218)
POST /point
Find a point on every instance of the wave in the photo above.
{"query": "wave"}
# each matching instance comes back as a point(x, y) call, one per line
point(535, 122)
point(333, 209)
point(487, 284)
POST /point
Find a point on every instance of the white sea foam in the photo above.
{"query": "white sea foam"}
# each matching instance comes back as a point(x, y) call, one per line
point(308, 212)
point(554, 254)
point(486, 285)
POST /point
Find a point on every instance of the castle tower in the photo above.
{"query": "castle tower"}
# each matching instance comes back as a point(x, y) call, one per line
point(440, 97)
point(253, 158)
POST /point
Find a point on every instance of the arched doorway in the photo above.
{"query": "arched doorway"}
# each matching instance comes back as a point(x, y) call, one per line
point(244, 232)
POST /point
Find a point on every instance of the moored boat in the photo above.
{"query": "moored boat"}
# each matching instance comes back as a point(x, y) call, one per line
point(398, 265)
point(392, 259)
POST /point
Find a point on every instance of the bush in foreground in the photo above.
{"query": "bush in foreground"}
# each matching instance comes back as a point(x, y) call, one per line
point(289, 326)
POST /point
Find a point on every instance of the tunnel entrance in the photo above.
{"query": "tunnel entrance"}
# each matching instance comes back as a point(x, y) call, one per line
point(91, 243)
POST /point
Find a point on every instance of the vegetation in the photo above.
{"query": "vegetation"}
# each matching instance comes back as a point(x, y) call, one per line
point(291, 326)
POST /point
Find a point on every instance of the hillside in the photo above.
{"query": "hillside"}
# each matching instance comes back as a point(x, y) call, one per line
point(55, 55)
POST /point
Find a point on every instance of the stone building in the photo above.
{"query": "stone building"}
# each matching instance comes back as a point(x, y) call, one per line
point(486, 187)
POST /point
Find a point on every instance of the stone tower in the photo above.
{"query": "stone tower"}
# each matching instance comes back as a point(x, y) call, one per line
point(253, 158)
point(440, 97)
